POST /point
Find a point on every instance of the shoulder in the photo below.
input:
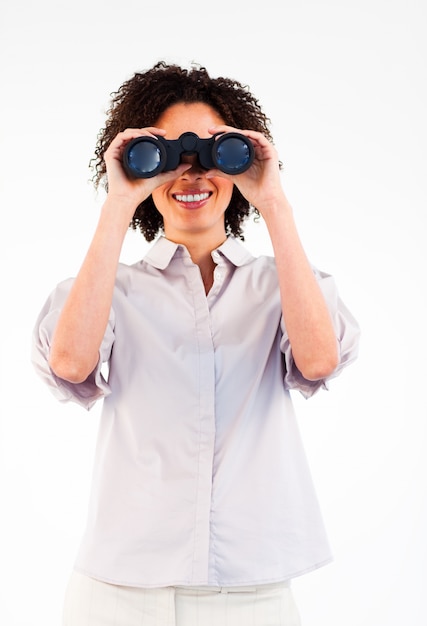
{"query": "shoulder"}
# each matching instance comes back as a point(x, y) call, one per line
point(256, 272)
point(128, 275)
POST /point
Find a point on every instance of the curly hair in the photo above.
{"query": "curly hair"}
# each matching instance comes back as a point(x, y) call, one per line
point(141, 100)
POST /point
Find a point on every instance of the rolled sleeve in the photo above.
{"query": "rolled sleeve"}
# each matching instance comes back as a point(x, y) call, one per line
point(95, 386)
point(347, 332)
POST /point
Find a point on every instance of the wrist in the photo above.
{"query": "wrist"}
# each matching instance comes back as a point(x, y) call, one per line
point(119, 207)
point(275, 208)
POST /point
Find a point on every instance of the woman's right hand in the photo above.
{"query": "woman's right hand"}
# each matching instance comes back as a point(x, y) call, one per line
point(127, 190)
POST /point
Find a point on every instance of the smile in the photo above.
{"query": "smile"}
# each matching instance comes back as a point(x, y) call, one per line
point(196, 197)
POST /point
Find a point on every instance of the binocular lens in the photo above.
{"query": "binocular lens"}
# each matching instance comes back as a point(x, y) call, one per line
point(232, 155)
point(145, 158)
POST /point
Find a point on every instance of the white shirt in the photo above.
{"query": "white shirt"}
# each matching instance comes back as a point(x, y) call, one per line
point(200, 475)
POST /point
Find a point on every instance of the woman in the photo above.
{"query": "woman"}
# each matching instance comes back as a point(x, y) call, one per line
point(202, 507)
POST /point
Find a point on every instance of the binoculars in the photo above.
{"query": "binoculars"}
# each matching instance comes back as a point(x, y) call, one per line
point(144, 157)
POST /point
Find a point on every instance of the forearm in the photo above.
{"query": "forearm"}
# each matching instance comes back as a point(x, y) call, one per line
point(83, 320)
point(306, 316)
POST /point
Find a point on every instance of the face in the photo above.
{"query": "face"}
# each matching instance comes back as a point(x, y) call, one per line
point(192, 204)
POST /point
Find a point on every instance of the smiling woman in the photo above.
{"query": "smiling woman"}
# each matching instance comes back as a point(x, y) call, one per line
point(140, 101)
point(202, 508)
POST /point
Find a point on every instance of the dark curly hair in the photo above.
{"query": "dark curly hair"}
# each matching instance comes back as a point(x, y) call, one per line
point(141, 100)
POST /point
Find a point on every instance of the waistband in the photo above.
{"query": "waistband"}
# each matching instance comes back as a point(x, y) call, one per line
point(244, 589)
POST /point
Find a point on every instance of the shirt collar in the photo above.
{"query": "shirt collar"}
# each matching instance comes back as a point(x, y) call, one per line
point(163, 251)
point(235, 252)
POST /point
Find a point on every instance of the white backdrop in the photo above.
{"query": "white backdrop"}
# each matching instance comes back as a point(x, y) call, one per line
point(345, 86)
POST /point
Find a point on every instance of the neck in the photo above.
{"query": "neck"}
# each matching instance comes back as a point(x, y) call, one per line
point(200, 249)
point(198, 245)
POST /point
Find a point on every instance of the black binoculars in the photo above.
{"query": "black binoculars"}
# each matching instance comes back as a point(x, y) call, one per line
point(144, 157)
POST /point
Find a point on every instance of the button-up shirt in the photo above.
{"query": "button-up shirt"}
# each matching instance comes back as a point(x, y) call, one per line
point(200, 474)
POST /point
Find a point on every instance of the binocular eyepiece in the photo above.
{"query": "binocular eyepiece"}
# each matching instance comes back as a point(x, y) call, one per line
point(144, 157)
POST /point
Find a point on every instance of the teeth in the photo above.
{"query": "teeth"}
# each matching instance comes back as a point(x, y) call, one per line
point(196, 197)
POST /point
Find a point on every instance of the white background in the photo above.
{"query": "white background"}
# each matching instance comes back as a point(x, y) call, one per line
point(344, 84)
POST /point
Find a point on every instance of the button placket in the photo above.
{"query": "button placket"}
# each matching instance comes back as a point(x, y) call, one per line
point(206, 416)
point(219, 272)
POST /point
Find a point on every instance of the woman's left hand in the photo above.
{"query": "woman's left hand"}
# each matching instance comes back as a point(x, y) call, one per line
point(260, 184)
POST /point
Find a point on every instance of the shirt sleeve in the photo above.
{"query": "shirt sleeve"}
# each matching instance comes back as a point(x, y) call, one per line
point(95, 386)
point(347, 333)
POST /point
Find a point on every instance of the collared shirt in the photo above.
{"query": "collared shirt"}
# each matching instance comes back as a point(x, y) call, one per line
point(200, 474)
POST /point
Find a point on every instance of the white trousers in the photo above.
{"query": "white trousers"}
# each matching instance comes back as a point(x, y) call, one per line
point(90, 602)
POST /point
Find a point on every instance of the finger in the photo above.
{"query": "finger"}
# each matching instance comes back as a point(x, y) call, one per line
point(223, 128)
point(251, 134)
point(125, 136)
point(165, 177)
point(138, 132)
point(215, 173)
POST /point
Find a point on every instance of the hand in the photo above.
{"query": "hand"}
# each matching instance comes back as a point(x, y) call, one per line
point(133, 190)
point(260, 184)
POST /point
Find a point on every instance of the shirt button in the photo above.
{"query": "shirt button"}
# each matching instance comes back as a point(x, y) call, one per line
point(216, 255)
point(218, 274)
